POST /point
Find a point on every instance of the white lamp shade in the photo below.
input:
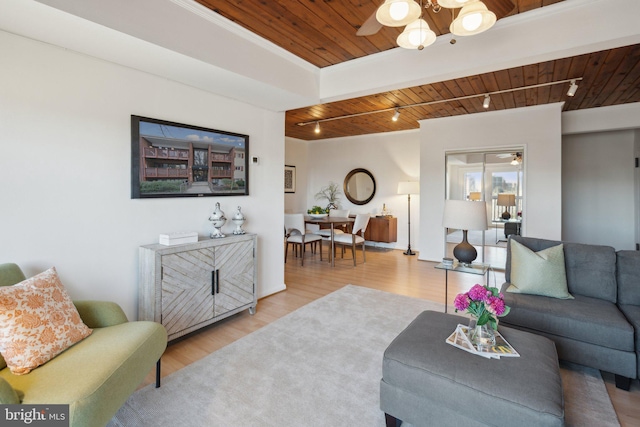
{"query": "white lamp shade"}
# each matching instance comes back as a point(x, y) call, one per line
point(464, 215)
point(505, 199)
point(409, 187)
point(396, 13)
point(453, 4)
point(416, 35)
point(473, 18)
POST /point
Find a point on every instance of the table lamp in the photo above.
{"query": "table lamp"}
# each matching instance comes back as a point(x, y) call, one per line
point(465, 215)
point(506, 200)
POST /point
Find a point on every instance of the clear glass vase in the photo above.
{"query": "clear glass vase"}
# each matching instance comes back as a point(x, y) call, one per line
point(481, 336)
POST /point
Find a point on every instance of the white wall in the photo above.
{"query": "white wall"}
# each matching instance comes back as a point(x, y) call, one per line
point(536, 128)
point(598, 204)
point(390, 157)
point(296, 154)
point(65, 166)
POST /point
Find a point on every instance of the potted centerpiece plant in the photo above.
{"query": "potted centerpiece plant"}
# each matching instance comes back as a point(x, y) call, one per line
point(331, 193)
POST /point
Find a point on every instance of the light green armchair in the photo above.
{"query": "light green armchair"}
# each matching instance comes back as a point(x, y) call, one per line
point(96, 375)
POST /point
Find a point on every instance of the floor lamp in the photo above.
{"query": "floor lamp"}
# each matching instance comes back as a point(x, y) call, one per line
point(409, 188)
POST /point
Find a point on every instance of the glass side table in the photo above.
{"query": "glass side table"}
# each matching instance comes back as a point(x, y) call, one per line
point(473, 268)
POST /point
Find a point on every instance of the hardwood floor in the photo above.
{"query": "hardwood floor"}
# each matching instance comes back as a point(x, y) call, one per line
point(387, 270)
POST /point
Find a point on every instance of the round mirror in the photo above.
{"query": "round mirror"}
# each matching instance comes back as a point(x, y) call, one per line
point(359, 186)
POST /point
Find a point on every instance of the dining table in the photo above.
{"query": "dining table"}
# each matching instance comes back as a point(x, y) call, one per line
point(331, 221)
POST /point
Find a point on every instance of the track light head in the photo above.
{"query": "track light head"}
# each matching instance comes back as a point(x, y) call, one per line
point(396, 115)
point(317, 129)
point(487, 101)
point(573, 88)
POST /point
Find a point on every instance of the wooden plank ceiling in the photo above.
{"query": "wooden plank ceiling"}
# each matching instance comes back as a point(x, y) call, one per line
point(323, 32)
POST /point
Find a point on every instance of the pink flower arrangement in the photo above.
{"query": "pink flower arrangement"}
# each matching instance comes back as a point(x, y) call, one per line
point(484, 303)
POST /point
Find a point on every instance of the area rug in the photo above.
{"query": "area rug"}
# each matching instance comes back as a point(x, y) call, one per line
point(318, 366)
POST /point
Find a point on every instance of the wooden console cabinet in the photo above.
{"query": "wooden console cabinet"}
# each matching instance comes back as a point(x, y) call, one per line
point(382, 229)
point(185, 287)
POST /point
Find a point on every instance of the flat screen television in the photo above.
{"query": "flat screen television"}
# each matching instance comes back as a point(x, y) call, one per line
point(176, 160)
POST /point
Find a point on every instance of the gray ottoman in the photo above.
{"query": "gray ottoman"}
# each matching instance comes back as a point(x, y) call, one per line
point(427, 382)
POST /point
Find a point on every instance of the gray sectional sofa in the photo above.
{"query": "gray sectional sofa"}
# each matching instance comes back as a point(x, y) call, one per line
point(628, 276)
point(600, 327)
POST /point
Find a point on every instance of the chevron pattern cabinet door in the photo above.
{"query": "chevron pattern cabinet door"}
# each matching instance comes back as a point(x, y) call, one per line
point(236, 268)
point(186, 287)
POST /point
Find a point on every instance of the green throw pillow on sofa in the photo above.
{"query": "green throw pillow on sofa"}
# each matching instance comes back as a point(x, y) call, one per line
point(538, 273)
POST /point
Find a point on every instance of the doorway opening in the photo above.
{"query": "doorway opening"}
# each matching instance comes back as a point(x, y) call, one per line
point(497, 178)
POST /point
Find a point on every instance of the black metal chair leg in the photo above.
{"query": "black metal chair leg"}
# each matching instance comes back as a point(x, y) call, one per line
point(158, 374)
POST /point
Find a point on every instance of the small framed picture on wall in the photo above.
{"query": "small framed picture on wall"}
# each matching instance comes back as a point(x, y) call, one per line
point(289, 179)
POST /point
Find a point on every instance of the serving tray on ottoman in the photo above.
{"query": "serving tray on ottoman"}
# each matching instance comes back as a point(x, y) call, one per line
point(427, 382)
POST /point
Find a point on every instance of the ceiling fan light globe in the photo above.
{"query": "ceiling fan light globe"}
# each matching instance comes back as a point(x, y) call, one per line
point(472, 21)
point(416, 35)
point(466, 24)
point(399, 10)
point(396, 13)
point(453, 4)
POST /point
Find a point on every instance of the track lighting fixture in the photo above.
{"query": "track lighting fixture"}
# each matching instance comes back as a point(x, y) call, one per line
point(486, 102)
point(573, 88)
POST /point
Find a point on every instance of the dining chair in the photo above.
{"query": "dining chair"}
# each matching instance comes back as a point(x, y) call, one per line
point(297, 236)
point(353, 239)
point(337, 213)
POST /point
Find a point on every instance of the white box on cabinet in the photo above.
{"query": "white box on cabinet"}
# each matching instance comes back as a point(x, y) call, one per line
point(178, 238)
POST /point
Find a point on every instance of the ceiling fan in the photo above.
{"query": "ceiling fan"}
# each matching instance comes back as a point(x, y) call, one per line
point(516, 158)
point(474, 17)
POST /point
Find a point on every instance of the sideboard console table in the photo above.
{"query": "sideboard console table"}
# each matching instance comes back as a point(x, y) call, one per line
point(186, 287)
point(382, 229)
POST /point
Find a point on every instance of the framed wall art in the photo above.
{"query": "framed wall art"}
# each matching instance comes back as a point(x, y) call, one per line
point(177, 160)
point(289, 179)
